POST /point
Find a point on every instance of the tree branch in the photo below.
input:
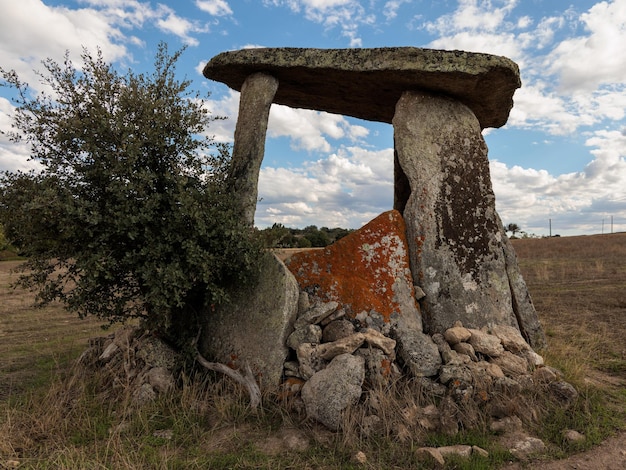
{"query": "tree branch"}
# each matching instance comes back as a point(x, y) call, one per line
point(246, 380)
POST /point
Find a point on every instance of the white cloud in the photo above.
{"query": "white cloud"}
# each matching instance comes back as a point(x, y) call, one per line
point(214, 7)
point(200, 67)
point(539, 108)
point(575, 201)
point(505, 44)
point(168, 21)
point(30, 25)
point(473, 15)
point(13, 157)
point(180, 27)
point(347, 15)
point(588, 61)
point(345, 189)
point(567, 85)
point(227, 106)
point(31, 31)
point(609, 163)
point(307, 129)
point(543, 34)
point(390, 10)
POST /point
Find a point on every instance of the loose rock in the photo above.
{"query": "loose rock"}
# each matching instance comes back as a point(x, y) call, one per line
point(485, 343)
point(330, 391)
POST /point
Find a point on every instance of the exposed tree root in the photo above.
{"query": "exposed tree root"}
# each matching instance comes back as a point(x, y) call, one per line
point(247, 379)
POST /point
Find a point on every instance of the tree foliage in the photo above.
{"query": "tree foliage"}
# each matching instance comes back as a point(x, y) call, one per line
point(513, 228)
point(279, 236)
point(130, 216)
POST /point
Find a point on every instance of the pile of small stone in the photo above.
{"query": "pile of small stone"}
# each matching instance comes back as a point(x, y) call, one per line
point(336, 358)
point(135, 362)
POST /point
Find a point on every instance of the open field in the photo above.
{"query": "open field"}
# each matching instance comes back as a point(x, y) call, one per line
point(35, 343)
point(578, 285)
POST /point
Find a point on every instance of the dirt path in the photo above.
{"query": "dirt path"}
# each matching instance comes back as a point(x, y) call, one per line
point(610, 455)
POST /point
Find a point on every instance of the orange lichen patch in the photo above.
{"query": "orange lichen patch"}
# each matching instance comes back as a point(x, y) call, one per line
point(233, 364)
point(385, 367)
point(290, 388)
point(361, 270)
point(483, 395)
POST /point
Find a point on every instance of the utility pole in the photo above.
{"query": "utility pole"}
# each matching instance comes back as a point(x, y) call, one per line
point(602, 226)
point(550, 227)
point(611, 224)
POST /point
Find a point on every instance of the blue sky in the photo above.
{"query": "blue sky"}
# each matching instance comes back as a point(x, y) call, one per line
point(560, 157)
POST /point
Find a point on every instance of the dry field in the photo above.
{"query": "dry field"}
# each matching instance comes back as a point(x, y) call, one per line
point(578, 285)
point(35, 343)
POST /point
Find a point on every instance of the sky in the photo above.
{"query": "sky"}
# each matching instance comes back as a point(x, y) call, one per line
point(557, 167)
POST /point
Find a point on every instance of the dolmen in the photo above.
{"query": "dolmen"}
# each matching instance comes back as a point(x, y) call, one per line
point(438, 102)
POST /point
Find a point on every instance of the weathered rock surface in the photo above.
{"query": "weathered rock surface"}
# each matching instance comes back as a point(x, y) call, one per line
point(455, 237)
point(367, 83)
point(366, 272)
point(438, 102)
point(511, 364)
point(510, 337)
point(257, 93)
point(378, 367)
point(458, 450)
point(524, 447)
point(135, 361)
point(525, 313)
point(336, 330)
point(418, 353)
point(309, 359)
point(564, 391)
point(255, 325)
point(485, 343)
point(431, 456)
point(330, 391)
point(457, 334)
point(305, 334)
point(316, 314)
point(462, 365)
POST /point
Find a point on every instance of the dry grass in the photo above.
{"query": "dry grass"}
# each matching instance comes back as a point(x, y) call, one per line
point(34, 342)
point(53, 416)
point(578, 285)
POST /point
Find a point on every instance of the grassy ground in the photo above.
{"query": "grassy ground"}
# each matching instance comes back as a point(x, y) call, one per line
point(35, 343)
point(51, 416)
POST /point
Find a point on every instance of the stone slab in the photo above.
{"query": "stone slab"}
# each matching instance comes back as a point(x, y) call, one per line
point(366, 271)
point(253, 328)
point(367, 83)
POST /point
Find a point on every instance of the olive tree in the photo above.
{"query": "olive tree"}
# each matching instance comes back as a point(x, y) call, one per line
point(129, 216)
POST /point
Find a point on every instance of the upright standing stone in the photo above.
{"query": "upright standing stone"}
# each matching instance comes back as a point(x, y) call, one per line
point(254, 326)
point(523, 307)
point(454, 235)
point(255, 101)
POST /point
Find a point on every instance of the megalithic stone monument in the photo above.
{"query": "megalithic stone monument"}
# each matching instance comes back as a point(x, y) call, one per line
point(438, 102)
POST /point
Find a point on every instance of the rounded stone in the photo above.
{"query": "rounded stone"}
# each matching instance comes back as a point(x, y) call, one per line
point(336, 330)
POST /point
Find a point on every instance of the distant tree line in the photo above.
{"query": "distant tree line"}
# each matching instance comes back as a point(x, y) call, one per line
point(279, 236)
